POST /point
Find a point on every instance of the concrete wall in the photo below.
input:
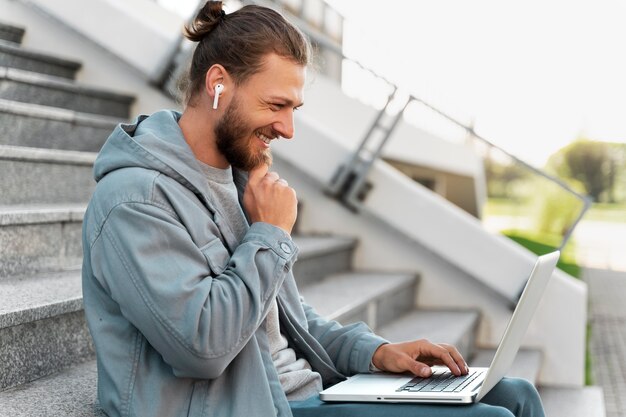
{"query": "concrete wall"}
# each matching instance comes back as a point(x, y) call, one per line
point(460, 190)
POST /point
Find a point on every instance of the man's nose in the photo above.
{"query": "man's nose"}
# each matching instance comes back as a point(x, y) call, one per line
point(285, 126)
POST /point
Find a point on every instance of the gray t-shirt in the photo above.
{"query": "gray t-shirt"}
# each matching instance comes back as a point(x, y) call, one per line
point(296, 376)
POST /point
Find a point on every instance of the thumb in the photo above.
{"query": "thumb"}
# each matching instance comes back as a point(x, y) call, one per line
point(257, 173)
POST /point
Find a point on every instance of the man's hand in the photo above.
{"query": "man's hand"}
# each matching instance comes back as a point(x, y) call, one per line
point(268, 198)
point(417, 357)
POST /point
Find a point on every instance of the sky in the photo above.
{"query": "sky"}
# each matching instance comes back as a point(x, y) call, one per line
point(532, 75)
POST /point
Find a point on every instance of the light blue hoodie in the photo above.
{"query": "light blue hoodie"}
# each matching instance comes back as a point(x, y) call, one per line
point(175, 304)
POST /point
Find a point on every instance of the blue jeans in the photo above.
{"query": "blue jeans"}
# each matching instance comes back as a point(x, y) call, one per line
point(510, 397)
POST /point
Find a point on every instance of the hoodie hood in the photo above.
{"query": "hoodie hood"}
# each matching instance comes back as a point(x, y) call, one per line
point(152, 142)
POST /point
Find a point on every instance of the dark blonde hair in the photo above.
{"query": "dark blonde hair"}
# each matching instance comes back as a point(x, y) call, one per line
point(238, 41)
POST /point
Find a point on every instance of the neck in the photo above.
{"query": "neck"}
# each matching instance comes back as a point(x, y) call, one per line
point(198, 129)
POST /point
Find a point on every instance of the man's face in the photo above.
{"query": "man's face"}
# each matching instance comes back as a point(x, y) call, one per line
point(260, 111)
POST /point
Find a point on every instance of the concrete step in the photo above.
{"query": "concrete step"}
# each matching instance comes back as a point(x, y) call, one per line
point(527, 363)
point(574, 402)
point(37, 238)
point(11, 33)
point(455, 327)
point(69, 393)
point(14, 56)
point(45, 176)
point(320, 256)
point(42, 326)
point(29, 87)
point(47, 237)
point(373, 297)
point(37, 126)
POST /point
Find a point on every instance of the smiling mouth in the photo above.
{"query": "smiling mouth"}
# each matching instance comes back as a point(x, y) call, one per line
point(265, 139)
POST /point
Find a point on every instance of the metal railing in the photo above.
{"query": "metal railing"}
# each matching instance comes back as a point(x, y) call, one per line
point(349, 184)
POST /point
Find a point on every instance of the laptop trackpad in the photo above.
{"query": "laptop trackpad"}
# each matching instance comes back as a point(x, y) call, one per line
point(376, 383)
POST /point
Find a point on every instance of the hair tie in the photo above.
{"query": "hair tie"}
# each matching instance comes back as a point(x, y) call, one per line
point(223, 14)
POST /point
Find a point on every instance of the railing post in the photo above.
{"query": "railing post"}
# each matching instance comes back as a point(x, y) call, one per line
point(345, 175)
point(165, 69)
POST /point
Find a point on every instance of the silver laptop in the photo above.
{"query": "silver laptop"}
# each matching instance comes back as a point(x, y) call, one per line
point(443, 387)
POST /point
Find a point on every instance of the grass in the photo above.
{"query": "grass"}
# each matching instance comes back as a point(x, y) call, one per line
point(542, 244)
point(588, 361)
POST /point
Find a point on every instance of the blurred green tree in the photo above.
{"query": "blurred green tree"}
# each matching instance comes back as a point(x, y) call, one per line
point(593, 163)
point(503, 178)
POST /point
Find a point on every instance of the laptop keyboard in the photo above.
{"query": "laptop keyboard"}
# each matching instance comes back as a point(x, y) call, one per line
point(440, 381)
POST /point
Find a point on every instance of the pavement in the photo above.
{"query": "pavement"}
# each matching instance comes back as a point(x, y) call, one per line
point(601, 245)
point(607, 316)
point(601, 250)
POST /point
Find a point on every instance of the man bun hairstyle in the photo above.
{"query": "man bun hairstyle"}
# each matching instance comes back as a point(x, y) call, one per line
point(239, 41)
point(207, 18)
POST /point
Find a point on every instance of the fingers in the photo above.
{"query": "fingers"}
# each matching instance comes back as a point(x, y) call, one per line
point(448, 355)
point(457, 357)
point(271, 177)
point(418, 368)
point(417, 356)
point(268, 198)
point(257, 173)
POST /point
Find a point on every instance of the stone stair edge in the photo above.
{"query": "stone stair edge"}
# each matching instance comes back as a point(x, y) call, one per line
point(59, 83)
point(587, 401)
point(370, 290)
point(413, 318)
point(312, 245)
point(45, 155)
point(56, 113)
point(39, 296)
point(70, 392)
point(16, 49)
point(41, 213)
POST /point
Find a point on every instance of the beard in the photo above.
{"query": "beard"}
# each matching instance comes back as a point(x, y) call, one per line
point(234, 140)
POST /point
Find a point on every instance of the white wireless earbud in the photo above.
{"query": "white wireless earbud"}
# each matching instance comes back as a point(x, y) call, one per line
point(218, 90)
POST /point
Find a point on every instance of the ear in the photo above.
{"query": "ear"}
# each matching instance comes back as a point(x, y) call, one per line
point(215, 75)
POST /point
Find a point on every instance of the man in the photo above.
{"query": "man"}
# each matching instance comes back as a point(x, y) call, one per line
point(187, 280)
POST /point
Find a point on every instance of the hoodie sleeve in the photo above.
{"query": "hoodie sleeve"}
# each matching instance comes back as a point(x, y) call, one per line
point(195, 310)
point(350, 347)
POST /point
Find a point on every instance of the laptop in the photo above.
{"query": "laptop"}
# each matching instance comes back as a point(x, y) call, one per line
point(443, 387)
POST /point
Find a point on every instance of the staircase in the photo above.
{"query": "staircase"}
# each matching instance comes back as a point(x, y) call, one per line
point(50, 130)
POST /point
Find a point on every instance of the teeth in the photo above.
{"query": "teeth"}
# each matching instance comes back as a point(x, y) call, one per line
point(263, 138)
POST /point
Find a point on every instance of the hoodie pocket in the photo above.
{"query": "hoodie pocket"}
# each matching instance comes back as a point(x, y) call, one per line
point(216, 255)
